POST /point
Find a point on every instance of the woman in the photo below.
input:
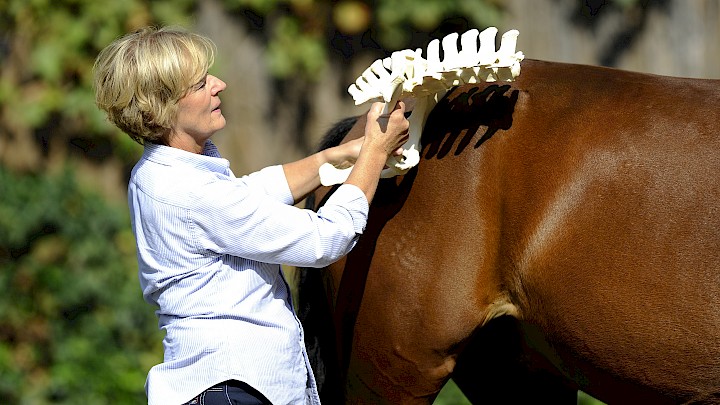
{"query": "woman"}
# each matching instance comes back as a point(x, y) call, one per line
point(209, 244)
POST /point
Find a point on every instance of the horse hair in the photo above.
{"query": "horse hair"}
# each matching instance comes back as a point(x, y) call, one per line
point(337, 133)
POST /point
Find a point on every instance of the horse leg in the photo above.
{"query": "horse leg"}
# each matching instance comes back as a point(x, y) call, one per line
point(502, 365)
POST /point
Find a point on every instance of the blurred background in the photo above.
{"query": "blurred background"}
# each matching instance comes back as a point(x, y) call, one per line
point(73, 326)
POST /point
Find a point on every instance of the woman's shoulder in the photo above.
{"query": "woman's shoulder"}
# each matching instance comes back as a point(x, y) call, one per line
point(176, 184)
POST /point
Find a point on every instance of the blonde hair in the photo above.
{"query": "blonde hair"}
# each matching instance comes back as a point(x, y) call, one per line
point(140, 77)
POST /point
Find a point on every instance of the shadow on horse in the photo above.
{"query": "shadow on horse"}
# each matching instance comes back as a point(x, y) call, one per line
point(561, 233)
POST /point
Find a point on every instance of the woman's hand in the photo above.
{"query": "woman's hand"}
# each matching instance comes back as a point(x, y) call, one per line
point(384, 136)
point(346, 154)
point(386, 132)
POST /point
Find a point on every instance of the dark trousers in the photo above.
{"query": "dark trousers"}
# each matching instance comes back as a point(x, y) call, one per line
point(230, 393)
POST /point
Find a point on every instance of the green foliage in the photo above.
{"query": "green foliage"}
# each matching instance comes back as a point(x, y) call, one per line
point(395, 19)
point(451, 395)
point(74, 328)
point(299, 29)
point(585, 399)
point(47, 50)
point(292, 51)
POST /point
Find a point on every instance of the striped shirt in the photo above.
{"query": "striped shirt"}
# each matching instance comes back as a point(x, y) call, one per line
point(209, 249)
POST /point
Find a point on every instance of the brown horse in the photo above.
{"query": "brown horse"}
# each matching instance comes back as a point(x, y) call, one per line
point(561, 232)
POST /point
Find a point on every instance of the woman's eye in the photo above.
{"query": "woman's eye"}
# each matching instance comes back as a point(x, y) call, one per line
point(201, 84)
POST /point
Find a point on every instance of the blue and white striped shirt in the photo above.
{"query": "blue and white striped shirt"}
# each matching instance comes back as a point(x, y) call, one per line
point(210, 247)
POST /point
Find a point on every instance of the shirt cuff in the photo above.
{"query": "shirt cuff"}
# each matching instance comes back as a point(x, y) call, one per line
point(353, 199)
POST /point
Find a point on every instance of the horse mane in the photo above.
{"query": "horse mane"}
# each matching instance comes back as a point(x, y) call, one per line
point(312, 306)
point(337, 133)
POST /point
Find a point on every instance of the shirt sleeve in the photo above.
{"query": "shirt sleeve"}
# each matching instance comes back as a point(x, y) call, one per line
point(270, 181)
point(240, 219)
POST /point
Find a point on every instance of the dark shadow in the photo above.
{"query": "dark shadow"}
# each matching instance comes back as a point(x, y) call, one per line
point(462, 115)
point(95, 149)
point(315, 314)
point(503, 355)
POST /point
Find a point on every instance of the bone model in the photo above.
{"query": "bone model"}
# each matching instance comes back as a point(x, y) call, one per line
point(407, 74)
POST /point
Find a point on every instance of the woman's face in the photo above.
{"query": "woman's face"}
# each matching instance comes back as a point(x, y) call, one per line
point(199, 114)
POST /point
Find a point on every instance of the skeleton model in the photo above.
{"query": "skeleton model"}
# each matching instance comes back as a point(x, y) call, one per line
point(406, 73)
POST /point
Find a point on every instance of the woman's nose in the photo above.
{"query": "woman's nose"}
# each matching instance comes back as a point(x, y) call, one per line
point(217, 84)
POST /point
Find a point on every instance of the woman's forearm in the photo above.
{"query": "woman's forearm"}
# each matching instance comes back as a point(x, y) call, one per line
point(303, 176)
point(366, 172)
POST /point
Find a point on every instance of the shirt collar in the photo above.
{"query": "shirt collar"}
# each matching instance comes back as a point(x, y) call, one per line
point(210, 158)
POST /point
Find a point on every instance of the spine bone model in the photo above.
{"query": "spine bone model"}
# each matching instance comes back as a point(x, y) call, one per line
point(407, 74)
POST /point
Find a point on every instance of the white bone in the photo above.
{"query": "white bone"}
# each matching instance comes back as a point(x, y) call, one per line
point(406, 73)
point(433, 56)
point(506, 54)
point(469, 54)
point(450, 51)
point(487, 46)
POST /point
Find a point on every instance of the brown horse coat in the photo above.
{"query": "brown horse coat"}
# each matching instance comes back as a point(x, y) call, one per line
point(561, 232)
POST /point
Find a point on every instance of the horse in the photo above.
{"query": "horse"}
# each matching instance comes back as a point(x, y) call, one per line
point(560, 233)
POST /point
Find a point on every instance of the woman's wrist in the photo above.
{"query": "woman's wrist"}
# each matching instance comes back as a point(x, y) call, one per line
point(342, 155)
point(329, 155)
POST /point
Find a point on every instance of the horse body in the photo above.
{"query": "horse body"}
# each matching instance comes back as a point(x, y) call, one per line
point(561, 232)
